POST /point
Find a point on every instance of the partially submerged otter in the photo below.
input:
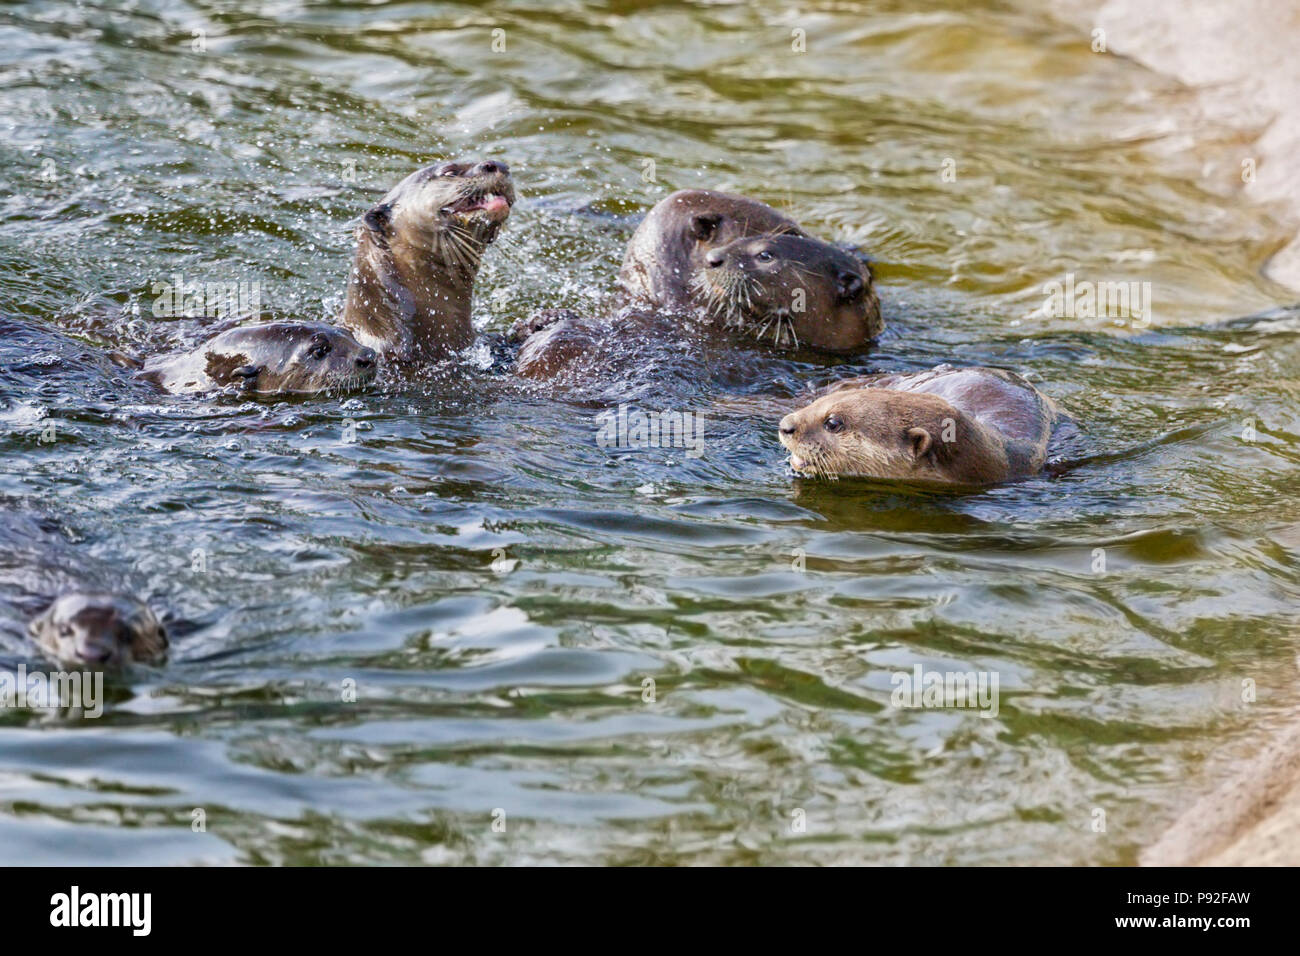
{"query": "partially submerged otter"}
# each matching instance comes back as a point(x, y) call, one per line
point(272, 358)
point(792, 290)
point(786, 291)
point(73, 608)
point(948, 426)
point(99, 629)
point(702, 260)
point(417, 256)
point(668, 249)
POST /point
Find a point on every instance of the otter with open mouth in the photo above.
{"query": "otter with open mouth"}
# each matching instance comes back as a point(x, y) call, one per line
point(417, 256)
point(792, 291)
point(946, 426)
point(275, 358)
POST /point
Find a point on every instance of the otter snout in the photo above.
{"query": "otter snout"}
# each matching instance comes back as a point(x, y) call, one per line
point(714, 258)
point(366, 358)
point(788, 425)
point(100, 649)
point(490, 167)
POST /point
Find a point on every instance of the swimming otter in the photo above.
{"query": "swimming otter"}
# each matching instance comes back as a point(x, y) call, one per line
point(418, 253)
point(802, 291)
point(272, 358)
point(71, 606)
point(99, 629)
point(969, 426)
point(668, 248)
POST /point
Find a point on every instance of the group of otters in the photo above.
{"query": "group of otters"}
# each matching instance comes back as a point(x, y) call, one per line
point(714, 263)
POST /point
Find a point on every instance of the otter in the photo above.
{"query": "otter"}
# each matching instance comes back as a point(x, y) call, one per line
point(417, 256)
point(722, 260)
point(803, 291)
point(668, 248)
point(568, 348)
point(945, 426)
point(99, 629)
point(788, 291)
point(74, 609)
point(269, 359)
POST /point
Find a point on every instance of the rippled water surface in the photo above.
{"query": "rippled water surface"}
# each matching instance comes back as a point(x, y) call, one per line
point(516, 694)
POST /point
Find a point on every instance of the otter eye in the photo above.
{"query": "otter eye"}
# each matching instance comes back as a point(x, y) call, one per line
point(447, 169)
point(320, 346)
point(764, 256)
point(833, 423)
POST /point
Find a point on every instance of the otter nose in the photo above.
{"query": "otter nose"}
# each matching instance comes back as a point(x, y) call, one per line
point(490, 166)
point(714, 258)
point(366, 359)
point(787, 425)
point(97, 650)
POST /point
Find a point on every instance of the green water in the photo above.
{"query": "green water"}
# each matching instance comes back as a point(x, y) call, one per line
point(130, 156)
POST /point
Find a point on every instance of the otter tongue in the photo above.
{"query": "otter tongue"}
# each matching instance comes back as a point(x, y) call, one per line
point(493, 203)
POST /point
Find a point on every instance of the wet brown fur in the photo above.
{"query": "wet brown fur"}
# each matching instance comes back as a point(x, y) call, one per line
point(971, 426)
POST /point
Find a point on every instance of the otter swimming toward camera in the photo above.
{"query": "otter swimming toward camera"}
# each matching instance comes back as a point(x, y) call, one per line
point(71, 607)
point(418, 254)
point(99, 629)
point(275, 358)
point(946, 426)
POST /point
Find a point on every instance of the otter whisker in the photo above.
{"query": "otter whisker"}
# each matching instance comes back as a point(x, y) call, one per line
point(788, 320)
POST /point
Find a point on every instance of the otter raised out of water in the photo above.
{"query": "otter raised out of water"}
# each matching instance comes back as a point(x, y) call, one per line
point(417, 256)
point(72, 607)
point(946, 426)
point(792, 290)
point(272, 358)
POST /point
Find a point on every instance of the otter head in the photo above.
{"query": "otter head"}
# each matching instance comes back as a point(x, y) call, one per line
point(669, 246)
point(880, 433)
point(449, 212)
point(100, 630)
point(418, 254)
point(291, 358)
point(791, 291)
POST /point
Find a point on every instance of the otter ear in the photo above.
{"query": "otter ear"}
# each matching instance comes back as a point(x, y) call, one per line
point(379, 219)
point(921, 441)
point(849, 285)
point(705, 224)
